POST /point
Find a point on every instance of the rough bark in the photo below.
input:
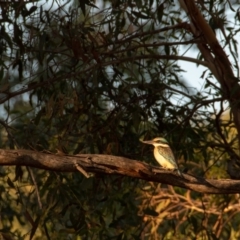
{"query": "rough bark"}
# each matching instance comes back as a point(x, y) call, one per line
point(217, 61)
point(107, 164)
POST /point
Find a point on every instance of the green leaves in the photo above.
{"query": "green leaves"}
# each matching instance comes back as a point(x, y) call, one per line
point(160, 10)
point(91, 78)
point(82, 4)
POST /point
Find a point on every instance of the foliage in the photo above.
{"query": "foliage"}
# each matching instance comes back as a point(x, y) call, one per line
point(86, 78)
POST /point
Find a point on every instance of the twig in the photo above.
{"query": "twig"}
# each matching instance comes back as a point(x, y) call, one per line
point(36, 187)
point(81, 170)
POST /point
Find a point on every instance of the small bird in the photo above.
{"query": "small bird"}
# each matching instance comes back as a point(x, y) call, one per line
point(163, 153)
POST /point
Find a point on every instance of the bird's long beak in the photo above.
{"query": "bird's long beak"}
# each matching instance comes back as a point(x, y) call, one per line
point(147, 142)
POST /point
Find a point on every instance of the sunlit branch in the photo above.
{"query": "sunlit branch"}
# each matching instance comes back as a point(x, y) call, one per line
point(115, 165)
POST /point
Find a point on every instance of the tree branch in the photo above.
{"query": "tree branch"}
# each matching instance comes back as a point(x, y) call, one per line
point(216, 59)
point(108, 164)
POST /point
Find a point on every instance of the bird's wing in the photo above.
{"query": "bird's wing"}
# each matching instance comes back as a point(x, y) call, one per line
point(168, 154)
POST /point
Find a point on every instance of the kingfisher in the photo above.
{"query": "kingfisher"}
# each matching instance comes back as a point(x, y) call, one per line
point(163, 153)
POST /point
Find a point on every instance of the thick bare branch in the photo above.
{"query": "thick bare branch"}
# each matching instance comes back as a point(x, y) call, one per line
point(108, 164)
point(217, 59)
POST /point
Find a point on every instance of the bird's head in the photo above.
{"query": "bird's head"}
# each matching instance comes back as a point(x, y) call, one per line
point(157, 142)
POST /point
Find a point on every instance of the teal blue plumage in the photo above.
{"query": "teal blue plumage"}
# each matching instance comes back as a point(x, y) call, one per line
point(167, 153)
